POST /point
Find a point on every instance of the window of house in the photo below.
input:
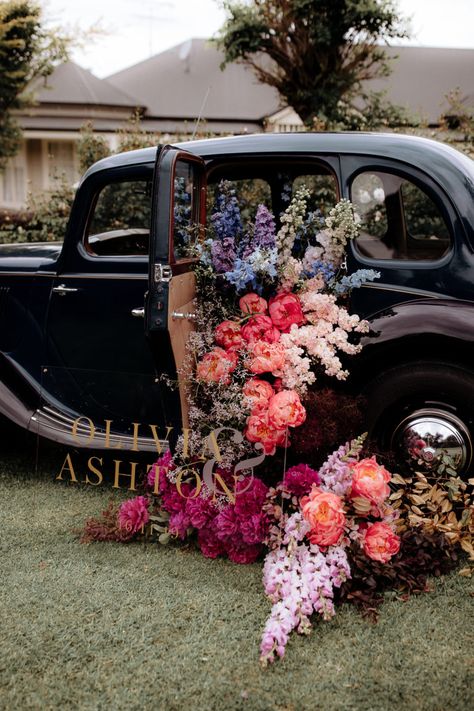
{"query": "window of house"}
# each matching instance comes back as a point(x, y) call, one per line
point(13, 183)
point(398, 220)
point(61, 161)
point(120, 224)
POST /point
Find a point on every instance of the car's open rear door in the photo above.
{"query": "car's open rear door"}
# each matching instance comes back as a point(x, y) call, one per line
point(179, 196)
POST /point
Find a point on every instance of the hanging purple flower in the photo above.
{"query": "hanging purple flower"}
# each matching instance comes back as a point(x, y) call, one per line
point(264, 231)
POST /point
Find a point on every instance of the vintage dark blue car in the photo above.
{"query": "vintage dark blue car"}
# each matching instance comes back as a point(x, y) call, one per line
point(88, 327)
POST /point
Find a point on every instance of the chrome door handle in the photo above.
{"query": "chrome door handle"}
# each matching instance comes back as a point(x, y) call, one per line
point(178, 314)
point(62, 289)
point(139, 312)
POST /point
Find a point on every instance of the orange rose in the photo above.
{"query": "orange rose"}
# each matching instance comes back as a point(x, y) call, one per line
point(266, 357)
point(217, 366)
point(370, 481)
point(325, 514)
point(228, 335)
point(253, 304)
point(285, 410)
point(259, 429)
point(380, 542)
point(258, 393)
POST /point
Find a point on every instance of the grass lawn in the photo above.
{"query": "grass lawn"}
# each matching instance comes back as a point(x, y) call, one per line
point(111, 626)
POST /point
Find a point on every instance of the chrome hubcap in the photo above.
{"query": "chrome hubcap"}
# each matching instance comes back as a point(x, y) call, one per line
point(423, 437)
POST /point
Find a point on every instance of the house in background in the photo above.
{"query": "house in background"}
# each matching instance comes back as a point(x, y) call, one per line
point(176, 87)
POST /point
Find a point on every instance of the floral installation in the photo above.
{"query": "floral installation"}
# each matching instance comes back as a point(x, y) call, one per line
point(272, 326)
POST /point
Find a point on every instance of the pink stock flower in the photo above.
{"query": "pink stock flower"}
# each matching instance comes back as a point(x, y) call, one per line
point(370, 481)
point(285, 310)
point(228, 335)
point(259, 429)
point(380, 542)
point(253, 304)
point(258, 393)
point(133, 514)
point(217, 366)
point(260, 328)
point(285, 410)
point(266, 357)
point(325, 514)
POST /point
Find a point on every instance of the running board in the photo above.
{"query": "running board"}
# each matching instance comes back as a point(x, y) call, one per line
point(58, 427)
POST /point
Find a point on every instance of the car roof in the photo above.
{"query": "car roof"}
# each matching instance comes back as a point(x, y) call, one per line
point(431, 156)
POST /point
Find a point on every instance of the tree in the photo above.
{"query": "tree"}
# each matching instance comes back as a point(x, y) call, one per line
point(27, 51)
point(316, 53)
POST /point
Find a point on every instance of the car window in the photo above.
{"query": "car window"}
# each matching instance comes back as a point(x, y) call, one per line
point(120, 223)
point(322, 191)
point(398, 220)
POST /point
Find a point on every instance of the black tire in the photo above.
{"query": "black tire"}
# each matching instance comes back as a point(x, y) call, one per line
point(398, 392)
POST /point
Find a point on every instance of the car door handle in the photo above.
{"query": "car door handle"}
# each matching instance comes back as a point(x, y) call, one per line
point(139, 312)
point(190, 316)
point(62, 289)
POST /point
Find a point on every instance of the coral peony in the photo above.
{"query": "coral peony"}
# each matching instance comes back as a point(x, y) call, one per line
point(217, 366)
point(228, 335)
point(259, 429)
point(380, 542)
point(370, 481)
point(325, 514)
point(260, 328)
point(266, 358)
point(285, 310)
point(298, 480)
point(133, 514)
point(285, 410)
point(258, 393)
point(253, 304)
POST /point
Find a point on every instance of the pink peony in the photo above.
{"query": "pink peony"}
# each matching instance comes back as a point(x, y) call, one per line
point(285, 310)
point(285, 410)
point(217, 366)
point(380, 542)
point(258, 392)
point(243, 554)
point(253, 304)
point(325, 514)
point(260, 328)
point(161, 467)
point(298, 480)
point(208, 542)
point(228, 335)
point(370, 481)
point(259, 429)
point(250, 496)
point(133, 514)
point(266, 357)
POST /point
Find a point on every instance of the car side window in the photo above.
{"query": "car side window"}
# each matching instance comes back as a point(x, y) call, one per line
point(120, 223)
point(398, 220)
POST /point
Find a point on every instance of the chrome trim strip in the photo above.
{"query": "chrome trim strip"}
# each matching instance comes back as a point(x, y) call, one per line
point(51, 275)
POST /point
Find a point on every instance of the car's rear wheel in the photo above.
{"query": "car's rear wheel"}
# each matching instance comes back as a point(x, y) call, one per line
point(422, 409)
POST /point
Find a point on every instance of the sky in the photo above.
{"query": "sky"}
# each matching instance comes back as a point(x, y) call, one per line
point(134, 30)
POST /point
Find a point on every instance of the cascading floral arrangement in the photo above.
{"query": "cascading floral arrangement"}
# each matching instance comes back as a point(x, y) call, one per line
point(272, 319)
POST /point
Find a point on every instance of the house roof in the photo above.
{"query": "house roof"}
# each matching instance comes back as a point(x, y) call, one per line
point(71, 84)
point(181, 81)
point(422, 76)
point(174, 83)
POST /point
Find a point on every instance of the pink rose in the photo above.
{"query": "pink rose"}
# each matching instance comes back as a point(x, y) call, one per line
point(259, 429)
point(370, 481)
point(253, 304)
point(228, 335)
point(260, 328)
point(285, 410)
point(285, 310)
point(380, 542)
point(258, 393)
point(217, 366)
point(133, 514)
point(325, 514)
point(266, 357)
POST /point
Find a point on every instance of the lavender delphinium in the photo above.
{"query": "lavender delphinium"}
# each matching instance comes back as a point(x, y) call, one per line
point(264, 229)
point(227, 226)
point(353, 281)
